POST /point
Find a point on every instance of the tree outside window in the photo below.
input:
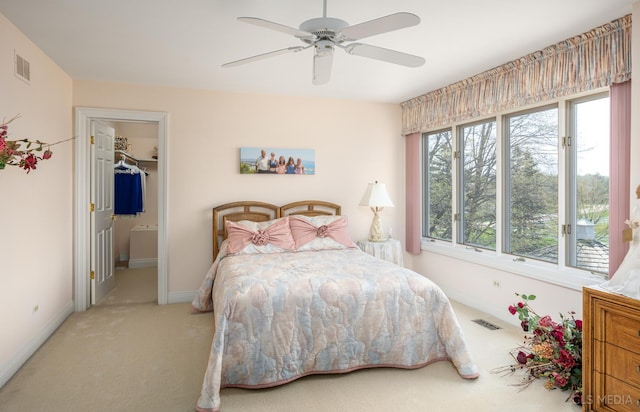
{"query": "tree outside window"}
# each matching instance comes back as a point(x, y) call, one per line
point(478, 160)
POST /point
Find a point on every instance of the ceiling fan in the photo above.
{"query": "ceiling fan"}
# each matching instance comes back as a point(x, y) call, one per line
point(324, 34)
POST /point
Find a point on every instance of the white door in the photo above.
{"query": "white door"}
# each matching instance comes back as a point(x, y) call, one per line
point(102, 276)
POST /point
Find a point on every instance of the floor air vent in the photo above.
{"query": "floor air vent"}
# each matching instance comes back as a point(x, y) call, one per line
point(486, 324)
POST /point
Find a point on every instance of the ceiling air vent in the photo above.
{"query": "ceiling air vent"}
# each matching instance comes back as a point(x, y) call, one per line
point(23, 68)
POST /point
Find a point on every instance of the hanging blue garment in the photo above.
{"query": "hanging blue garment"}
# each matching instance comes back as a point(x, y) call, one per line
point(128, 192)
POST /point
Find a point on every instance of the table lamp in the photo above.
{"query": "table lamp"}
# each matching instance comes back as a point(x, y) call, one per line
point(377, 198)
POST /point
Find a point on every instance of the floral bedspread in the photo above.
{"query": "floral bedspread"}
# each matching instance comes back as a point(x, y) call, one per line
point(281, 316)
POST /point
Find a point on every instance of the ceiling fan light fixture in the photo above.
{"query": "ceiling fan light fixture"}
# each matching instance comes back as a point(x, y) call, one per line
point(324, 47)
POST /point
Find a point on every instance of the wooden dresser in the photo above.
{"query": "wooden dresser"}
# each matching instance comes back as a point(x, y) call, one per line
point(610, 352)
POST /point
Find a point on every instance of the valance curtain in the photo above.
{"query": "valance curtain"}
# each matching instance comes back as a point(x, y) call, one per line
point(586, 62)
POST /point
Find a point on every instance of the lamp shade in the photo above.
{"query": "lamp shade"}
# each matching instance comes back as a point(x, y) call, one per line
point(376, 196)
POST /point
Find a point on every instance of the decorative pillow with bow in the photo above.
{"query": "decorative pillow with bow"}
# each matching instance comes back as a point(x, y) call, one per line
point(320, 232)
point(247, 237)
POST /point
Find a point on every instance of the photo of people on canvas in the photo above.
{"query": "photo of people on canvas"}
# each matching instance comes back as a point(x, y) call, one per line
point(265, 160)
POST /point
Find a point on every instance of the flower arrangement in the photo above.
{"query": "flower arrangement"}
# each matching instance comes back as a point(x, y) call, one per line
point(24, 153)
point(551, 350)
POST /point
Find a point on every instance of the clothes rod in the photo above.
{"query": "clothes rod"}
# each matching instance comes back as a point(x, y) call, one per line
point(124, 155)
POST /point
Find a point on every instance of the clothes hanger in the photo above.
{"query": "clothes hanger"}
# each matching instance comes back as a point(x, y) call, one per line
point(122, 164)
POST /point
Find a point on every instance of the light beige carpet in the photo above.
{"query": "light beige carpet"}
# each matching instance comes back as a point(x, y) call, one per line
point(138, 285)
point(145, 357)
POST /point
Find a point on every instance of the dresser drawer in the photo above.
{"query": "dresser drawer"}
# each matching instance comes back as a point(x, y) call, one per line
point(622, 330)
point(622, 364)
point(611, 352)
point(613, 395)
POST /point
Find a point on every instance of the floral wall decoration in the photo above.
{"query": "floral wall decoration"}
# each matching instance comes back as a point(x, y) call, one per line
point(23, 153)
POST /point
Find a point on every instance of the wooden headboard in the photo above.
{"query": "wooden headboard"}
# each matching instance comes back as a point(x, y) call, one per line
point(310, 208)
point(261, 211)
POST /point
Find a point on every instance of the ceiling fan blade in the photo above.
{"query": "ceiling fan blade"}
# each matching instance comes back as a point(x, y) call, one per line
point(380, 25)
point(301, 34)
point(385, 55)
point(264, 56)
point(322, 62)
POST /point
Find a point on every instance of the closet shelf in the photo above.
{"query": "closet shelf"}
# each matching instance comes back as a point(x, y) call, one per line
point(135, 159)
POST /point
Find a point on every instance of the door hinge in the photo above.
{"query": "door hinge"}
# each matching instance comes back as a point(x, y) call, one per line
point(92, 275)
point(456, 217)
point(92, 207)
point(456, 155)
point(566, 141)
point(566, 230)
point(92, 140)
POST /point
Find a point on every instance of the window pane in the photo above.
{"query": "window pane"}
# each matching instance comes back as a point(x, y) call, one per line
point(532, 185)
point(438, 185)
point(479, 186)
point(592, 184)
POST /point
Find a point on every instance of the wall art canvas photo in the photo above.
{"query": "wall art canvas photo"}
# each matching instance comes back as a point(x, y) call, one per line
point(266, 160)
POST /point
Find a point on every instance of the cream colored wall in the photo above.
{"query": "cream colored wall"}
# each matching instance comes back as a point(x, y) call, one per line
point(36, 208)
point(355, 143)
point(473, 285)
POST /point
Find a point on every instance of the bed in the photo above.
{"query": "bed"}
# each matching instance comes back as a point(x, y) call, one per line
point(292, 295)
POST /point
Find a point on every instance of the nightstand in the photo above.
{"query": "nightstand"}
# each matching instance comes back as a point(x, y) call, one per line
point(389, 250)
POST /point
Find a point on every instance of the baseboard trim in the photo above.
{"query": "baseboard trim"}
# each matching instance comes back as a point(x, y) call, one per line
point(143, 263)
point(182, 297)
point(15, 362)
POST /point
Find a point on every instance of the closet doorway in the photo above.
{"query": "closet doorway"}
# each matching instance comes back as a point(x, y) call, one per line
point(145, 134)
point(135, 215)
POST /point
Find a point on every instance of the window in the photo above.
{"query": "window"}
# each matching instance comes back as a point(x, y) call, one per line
point(437, 151)
point(533, 184)
point(478, 186)
point(588, 195)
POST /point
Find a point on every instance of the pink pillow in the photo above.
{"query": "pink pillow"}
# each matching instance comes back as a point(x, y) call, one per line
point(320, 232)
point(248, 237)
